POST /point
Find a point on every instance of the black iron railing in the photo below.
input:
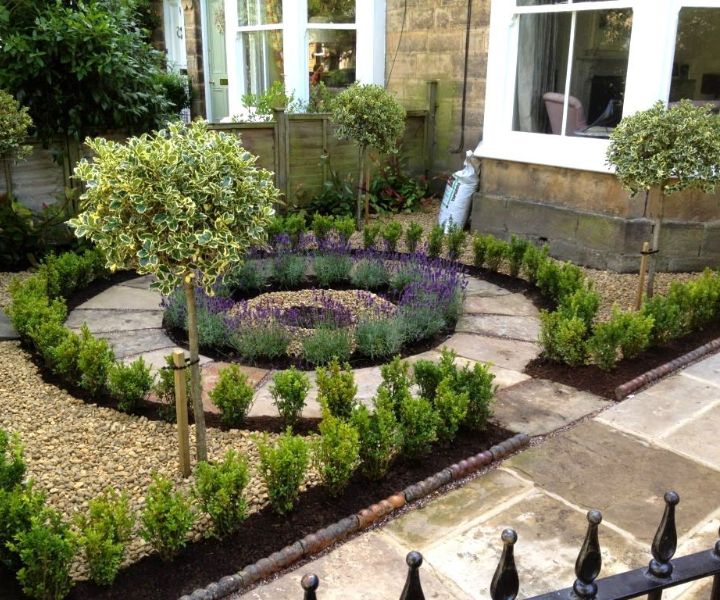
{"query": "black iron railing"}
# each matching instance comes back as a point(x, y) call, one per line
point(660, 574)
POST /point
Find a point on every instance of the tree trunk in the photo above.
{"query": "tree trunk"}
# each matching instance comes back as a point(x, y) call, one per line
point(367, 193)
point(655, 246)
point(361, 187)
point(196, 387)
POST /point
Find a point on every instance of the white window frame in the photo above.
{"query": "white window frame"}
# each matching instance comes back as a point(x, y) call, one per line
point(650, 59)
point(295, 27)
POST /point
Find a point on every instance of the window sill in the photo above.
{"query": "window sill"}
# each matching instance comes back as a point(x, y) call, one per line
point(583, 154)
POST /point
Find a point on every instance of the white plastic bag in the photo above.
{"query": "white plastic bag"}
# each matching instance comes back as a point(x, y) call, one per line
point(455, 205)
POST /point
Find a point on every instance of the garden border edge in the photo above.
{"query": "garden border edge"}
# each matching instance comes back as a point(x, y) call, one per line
point(363, 519)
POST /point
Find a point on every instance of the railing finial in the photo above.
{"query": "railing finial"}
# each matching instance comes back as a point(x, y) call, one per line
point(665, 542)
point(505, 583)
point(310, 584)
point(413, 588)
point(589, 560)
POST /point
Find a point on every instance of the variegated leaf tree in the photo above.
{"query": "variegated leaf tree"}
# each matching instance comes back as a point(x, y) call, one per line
point(182, 204)
point(669, 149)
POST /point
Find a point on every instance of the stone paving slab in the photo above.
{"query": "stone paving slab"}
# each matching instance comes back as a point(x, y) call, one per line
point(109, 321)
point(707, 369)
point(143, 282)
point(510, 304)
point(480, 287)
point(122, 297)
point(509, 354)
point(698, 438)
point(594, 465)
point(526, 329)
point(7, 331)
point(539, 406)
point(368, 567)
point(132, 342)
point(550, 534)
point(156, 358)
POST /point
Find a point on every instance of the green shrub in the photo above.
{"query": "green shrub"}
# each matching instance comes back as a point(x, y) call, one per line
point(456, 240)
point(370, 235)
point(669, 319)
point(532, 259)
point(95, 360)
point(479, 248)
point(396, 380)
point(166, 518)
point(370, 274)
point(556, 281)
point(336, 388)
point(427, 374)
point(625, 335)
point(12, 464)
point(413, 235)
point(104, 531)
point(212, 329)
point(288, 270)
point(130, 384)
point(378, 338)
point(30, 306)
point(332, 268)
point(496, 251)
point(164, 389)
point(704, 299)
point(563, 337)
point(282, 468)
point(420, 322)
point(336, 453)
point(294, 225)
point(516, 254)
point(289, 390)
point(245, 278)
point(233, 395)
point(322, 225)
point(345, 227)
point(47, 337)
point(402, 277)
point(46, 550)
point(65, 357)
point(418, 422)
point(325, 344)
point(263, 340)
point(436, 239)
point(477, 383)
point(380, 436)
point(391, 234)
point(17, 507)
point(451, 407)
point(583, 303)
point(219, 491)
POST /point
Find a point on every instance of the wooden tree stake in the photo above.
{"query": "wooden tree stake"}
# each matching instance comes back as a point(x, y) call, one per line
point(643, 269)
point(181, 412)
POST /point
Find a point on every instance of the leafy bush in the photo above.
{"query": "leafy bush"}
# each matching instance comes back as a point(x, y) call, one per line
point(166, 518)
point(418, 422)
point(262, 340)
point(516, 254)
point(104, 531)
point(337, 196)
point(477, 383)
point(130, 384)
point(289, 391)
point(393, 190)
point(396, 380)
point(164, 389)
point(17, 507)
point(95, 360)
point(336, 389)
point(669, 319)
point(46, 550)
point(404, 275)
point(370, 235)
point(336, 453)
point(65, 357)
point(479, 248)
point(420, 322)
point(436, 238)
point(563, 337)
point(380, 436)
point(245, 278)
point(391, 234)
point(14, 124)
point(219, 491)
point(556, 281)
point(625, 335)
point(288, 270)
point(12, 464)
point(532, 259)
point(704, 299)
point(332, 268)
point(370, 274)
point(211, 328)
point(496, 251)
point(413, 235)
point(321, 226)
point(427, 374)
point(583, 303)
point(345, 227)
point(456, 240)
point(451, 407)
point(325, 344)
point(378, 338)
point(30, 305)
point(233, 395)
point(282, 468)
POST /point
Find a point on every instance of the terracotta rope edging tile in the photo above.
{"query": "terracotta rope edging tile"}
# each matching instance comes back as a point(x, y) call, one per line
point(327, 536)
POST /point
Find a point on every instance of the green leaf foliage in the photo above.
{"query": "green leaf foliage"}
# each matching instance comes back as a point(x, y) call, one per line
point(14, 124)
point(17, 507)
point(233, 395)
point(379, 435)
point(12, 464)
point(419, 423)
point(336, 388)
point(282, 468)
point(289, 391)
point(336, 453)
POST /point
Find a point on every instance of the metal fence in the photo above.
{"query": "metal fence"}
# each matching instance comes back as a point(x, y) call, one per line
point(660, 574)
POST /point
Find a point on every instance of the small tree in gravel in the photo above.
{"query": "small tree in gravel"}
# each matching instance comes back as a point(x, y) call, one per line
point(372, 118)
point(183, 204)
point(14, 124)
point(668, 150)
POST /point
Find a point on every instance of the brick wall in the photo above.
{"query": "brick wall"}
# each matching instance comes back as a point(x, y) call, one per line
point(432, 46)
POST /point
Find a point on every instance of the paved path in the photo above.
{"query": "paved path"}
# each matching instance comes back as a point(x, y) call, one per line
point(621, 462)
point(7, 331)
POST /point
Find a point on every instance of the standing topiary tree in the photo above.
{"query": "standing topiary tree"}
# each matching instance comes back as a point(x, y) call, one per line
point(14, 124)
point(668, 150)
point(183, 204)
point(371, 117)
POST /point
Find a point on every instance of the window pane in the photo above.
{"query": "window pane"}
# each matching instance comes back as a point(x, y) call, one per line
point(331, 11)
point(259, 12)
point(262, 59)
point(696, 68)
point(331, 57)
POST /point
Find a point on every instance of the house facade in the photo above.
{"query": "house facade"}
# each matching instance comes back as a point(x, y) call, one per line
point(534, 86)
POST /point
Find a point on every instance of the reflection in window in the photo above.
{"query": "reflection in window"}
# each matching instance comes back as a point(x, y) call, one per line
point(259, 12)
point(331, 57)
point(331, 11)
point(696, 67)
point(597, 74)
point(262, 59)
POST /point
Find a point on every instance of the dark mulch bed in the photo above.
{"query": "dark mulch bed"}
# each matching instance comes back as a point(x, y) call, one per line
point(592, 379)
point(264, 532)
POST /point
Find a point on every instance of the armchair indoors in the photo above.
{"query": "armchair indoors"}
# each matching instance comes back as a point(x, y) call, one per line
point(576, 114)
